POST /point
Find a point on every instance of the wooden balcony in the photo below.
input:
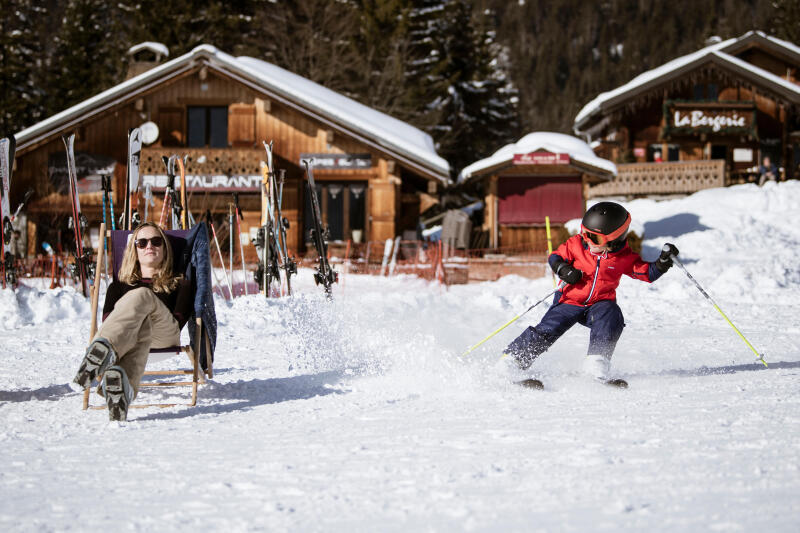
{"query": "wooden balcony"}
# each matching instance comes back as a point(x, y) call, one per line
point(206, 161)
point(674, 177)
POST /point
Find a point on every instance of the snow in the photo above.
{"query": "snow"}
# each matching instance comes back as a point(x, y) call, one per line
point(557, 143)
point(360, 414)
point(157, 48)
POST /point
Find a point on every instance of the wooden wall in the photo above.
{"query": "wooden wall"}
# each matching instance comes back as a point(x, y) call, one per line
point(253, 117)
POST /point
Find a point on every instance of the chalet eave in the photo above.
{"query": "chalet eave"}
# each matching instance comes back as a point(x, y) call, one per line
point(574, 165)
point(789, 95)
point(758, 40)
point(43, 132)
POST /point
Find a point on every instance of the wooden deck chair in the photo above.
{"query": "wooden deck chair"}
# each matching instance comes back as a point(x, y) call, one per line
point(198, 375)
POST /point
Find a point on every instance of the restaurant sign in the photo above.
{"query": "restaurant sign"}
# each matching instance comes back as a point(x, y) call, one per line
point(203, 182)
point(337, 161)
point(735, 118)
point(541, 158)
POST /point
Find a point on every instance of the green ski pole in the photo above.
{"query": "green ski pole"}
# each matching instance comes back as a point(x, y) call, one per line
point(504, 326)
point(759, 357)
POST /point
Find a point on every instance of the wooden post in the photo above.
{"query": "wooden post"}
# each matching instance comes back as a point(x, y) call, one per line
point(96, 287)
point(95, 298)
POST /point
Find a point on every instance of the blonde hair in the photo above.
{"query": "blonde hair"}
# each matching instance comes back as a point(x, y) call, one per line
point(130, 271)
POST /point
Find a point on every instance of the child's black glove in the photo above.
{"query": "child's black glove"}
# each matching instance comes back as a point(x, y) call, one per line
point(664, 261)
point(569, 273)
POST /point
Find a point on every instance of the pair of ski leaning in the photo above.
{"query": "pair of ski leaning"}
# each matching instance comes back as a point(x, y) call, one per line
point(590, 266)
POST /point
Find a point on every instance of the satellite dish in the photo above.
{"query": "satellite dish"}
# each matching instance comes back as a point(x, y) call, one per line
point(149, 132)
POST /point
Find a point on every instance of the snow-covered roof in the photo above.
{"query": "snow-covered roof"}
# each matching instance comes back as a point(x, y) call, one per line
point(400, 140)
point(557, 143)
point(157, 48)
point(720, 52)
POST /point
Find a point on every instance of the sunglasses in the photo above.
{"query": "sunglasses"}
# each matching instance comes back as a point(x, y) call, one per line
point(157, 242)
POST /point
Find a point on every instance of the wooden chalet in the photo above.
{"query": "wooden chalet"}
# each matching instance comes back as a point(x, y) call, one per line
point(703, 120)
point(375, 174)
point(542, 175)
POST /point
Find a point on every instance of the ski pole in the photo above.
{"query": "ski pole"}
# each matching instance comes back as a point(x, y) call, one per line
point(238, 234)
point(222, 262)
point(504, 326)
point(231, 247)
point(759, 356)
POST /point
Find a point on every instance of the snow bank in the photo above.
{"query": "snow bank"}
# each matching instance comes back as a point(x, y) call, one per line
point(30, 306)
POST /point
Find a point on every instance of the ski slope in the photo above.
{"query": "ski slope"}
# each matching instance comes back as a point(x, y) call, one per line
point(360, 414)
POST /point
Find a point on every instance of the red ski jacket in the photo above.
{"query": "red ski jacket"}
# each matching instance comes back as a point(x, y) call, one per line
point(601, 273)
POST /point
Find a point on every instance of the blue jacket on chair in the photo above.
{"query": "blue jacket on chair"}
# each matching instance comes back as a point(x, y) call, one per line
point(197, 263)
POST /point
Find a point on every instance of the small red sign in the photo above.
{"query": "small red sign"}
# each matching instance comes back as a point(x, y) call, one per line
point(541, 158)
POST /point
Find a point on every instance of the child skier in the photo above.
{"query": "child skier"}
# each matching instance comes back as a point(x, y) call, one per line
point(591, 265)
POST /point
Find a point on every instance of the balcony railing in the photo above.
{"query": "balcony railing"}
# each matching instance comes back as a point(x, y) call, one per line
point(206, 161)
point(675, 177)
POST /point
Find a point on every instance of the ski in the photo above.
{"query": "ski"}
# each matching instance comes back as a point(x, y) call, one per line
point(615, 382)
point(530, 383)
point(324, 274)
point(132, 183)
point(289, 264)
point(267, 262)
point(184, 214)
point(8, 148)
point(78, 220)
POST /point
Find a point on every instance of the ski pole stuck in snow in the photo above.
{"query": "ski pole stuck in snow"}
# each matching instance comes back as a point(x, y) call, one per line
point(504, 326)
point(759, 356)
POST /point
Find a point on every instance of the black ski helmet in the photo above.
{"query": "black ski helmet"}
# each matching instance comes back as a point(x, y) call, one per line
point(605, 222)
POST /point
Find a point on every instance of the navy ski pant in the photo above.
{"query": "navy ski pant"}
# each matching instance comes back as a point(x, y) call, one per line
point(604, 318)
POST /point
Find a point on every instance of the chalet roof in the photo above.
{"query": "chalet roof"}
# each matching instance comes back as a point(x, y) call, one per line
point(721, 53)
point(398, 139)
point(579, 152)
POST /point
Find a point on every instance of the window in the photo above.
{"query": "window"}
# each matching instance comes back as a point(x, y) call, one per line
point(343, 207)
point(207, 126)
point(705, 91)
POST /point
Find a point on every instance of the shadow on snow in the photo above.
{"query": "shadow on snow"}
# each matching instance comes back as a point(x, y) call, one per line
point(53, 392)
point(720, 370)
point(255, 392)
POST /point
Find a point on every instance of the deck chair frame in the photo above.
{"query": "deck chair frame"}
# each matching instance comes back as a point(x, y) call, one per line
point(198, 376)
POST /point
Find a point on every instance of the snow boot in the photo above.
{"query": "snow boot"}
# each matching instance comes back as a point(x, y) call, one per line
point(118, 393)
point(99, 356)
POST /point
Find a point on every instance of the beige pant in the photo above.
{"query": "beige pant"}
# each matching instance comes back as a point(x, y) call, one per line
point(139, 322)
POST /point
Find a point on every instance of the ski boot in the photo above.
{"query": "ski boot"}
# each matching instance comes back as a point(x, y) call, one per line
point(118, 393)
point(99, 356)
point(598, 367)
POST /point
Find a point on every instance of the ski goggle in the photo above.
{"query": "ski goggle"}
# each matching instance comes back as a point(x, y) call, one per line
point(599, 239)
point(157, 242)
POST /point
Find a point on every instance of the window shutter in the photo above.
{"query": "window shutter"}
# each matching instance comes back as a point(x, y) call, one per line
point(171, 126)
point(242, 125)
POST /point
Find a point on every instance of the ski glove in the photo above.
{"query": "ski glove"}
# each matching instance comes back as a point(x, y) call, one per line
point(569, 273)
point(664, 261)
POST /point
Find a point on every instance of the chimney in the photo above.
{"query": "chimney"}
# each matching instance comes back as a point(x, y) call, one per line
point(145, 56)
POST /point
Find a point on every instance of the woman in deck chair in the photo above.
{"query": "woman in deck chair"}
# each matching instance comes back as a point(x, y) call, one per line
point(146, 308)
